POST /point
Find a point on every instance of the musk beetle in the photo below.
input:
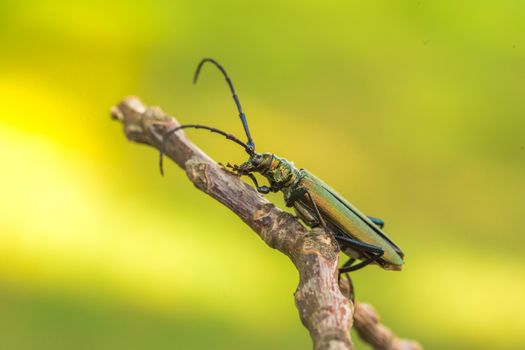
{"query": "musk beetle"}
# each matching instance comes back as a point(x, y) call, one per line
point(359, 236)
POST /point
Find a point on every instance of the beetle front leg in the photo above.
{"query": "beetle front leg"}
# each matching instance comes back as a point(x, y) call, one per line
point(235, 171)
point(260, 189)
point(234, 168)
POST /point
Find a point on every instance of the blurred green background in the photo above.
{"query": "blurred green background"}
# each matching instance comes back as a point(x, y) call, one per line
point(414, 110)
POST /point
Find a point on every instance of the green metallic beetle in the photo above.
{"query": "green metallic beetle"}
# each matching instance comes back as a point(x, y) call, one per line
point(359, 236)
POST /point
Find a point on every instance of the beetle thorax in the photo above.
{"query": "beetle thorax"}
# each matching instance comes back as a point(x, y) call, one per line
point(281, 172)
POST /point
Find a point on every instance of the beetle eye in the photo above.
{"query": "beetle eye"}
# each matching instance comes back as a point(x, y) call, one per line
point(257, 159)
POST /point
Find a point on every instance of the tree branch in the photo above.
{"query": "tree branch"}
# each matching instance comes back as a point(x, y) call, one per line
point(374, 333)
point(324, 310)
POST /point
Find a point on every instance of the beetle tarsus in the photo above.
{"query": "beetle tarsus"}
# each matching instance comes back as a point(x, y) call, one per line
point(376, 252)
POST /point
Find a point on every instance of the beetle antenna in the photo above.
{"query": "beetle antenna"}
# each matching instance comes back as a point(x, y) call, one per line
point(171, 131)
point(235, 98)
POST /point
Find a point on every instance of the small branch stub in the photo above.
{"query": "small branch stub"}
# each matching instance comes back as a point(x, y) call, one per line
point(324, 310)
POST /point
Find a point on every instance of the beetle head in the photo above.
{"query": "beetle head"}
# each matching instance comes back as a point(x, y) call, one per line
point(258, 162)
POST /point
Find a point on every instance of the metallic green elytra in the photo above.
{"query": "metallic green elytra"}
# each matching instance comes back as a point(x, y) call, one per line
point(302, 189)
point(316, 204)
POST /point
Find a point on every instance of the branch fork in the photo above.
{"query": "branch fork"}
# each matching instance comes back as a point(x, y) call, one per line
point(325, 311)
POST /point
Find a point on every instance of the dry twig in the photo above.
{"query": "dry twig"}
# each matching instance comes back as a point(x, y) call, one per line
point(324, 310)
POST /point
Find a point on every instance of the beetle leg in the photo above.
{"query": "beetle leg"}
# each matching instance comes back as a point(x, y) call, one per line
point(260, 189)
point(321, 220)
point(295, 194)
point(234, 171)
point(227, 167)
point(379, 222)
point(348, 263)
point(376, 252)
point(351, 294)
point(362, 263)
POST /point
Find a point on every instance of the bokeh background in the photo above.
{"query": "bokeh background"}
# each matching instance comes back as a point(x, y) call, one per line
point(414, 110)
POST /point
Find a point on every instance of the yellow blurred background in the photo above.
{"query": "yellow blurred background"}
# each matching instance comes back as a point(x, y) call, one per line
point(414, 110)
